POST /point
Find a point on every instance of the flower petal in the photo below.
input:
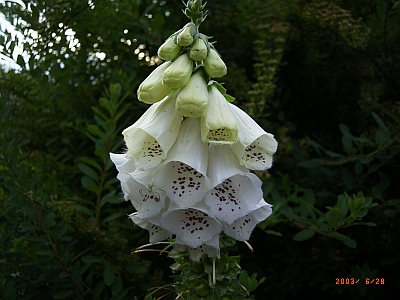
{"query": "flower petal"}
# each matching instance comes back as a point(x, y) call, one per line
point(147, 200)
point(157, 233)
point(147, 141)
point(254, 147)
point(192, 226)
point(218, 126)
point(122, 163)
point(183, 174)
point(235, 191)
point(242, 228)
point(211, 248)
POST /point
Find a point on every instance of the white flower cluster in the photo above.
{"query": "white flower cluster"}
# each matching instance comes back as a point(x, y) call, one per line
point(186, 169)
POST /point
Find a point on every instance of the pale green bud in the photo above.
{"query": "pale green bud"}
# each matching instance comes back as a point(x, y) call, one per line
point(169, 50)
point(218, 126)
point(199, 50)
point(214, 65)
point(178, 73)
point(192, 100)
point(185, 37)
point(151, 90)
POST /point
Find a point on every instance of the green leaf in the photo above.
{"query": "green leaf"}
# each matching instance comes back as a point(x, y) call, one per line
point(380, 122)
point(90, 259)
point(108, 274)
point(273, 232)
point(229, 98)
point(303, 235)
point(117, 286)
point(88, 171)
point(89, 184)
point(342, 205)
point(63, 294)
point(345, 239)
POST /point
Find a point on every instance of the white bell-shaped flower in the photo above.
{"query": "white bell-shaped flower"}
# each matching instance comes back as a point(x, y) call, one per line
point(193, 226)
point(156, 232)
point(242, 228)
point(183, 174)
point(122, 163)
point(149, 139)
point(235, 190)
point(146, 199)
point(211, 248)
point(218, 126)
point(254, 147)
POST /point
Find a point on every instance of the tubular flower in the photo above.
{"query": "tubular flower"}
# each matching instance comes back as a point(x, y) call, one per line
point(151, 90)
point(199, 50)
point(192, 100)
point(214, 65)
point(183, 174)
point(254, 147)
point(210, 248)
point(193, 226)
point(157, 233)
point(178, 73)
point(241, 229)
point(122, 163)
point(146, 199)
point(169, 50)
point(185, 37)
point(235, 190)
point(218, 126)
point(146, 140)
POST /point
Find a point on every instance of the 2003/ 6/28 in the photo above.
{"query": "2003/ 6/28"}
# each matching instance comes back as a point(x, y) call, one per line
point(349, 280)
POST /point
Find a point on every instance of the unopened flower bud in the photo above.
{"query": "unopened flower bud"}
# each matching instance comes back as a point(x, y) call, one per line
point(214, 65)
point(192, 100)
point(218, 126)
point(185, 37)
point(199, 50)
point(169, 50)
point(178, 73)
point(151, 90)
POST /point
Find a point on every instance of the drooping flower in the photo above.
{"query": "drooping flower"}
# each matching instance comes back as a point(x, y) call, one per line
point(147, 200)
point(178, 73)
point(214, 65)
point(183, 174)
point(193, 226)
point(254, 147)
point(147, 141)
point(122, 163)
point(192, 100)
point(242, 228)
point(235, 190)
point(218, 126)
point(151, 90)
point(156, 232)
point(169, 50)
point(199, 50)
point(185, 37)
point(210, 248)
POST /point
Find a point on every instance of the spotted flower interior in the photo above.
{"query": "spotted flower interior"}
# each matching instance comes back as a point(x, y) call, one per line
point(187, 167)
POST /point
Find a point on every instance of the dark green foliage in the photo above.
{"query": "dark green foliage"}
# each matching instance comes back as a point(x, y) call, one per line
point(322, 76)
